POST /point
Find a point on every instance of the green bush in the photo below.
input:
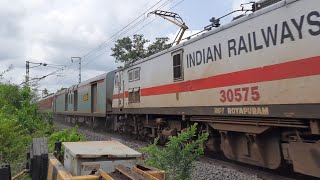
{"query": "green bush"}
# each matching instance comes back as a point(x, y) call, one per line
point(19, 124)
point(66, 135)
point(179, 154)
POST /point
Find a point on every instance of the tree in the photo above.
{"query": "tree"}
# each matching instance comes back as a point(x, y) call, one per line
point(179, 154)
point(9, 95)
point(159, 45)
point(127, 50)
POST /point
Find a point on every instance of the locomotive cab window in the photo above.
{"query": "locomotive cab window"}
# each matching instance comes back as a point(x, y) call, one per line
point(177, 66)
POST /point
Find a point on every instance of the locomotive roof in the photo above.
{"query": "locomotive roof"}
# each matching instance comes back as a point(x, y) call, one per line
point(214, 31)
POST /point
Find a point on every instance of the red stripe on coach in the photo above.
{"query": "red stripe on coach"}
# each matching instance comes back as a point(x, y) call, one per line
point(118, 96)
point(288, 70)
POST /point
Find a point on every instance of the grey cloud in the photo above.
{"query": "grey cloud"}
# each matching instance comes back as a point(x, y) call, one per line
point(53, 31)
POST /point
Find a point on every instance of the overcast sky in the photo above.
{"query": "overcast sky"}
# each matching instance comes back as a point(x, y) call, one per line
point(51, 31)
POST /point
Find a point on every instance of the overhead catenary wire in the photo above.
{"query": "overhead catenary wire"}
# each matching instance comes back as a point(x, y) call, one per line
point(123, 28)
point(131, 34)
point(117, 35)
point(52, 73)
point(107, 50)
point(126, 26)
point(111, 40)
point(107, 46)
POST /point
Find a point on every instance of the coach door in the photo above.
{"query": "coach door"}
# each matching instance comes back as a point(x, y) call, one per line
point(75, 100)
point(94, 97)
point(66, 101)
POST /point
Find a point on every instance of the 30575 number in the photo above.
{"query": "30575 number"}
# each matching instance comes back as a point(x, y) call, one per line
point(240, 94)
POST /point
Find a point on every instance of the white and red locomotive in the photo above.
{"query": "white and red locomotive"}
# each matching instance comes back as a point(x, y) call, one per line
point(252, 84)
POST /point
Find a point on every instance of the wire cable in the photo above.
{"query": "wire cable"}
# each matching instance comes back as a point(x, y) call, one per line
point(132, 33)
point(107, 43)
point(103, 45)
point(100, 46)
point(118, 34)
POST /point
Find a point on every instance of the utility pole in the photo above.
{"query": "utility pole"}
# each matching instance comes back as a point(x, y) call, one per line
point(28, 69)
point(79, 58)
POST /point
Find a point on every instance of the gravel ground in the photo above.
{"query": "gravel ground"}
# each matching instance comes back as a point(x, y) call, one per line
point(203, 170)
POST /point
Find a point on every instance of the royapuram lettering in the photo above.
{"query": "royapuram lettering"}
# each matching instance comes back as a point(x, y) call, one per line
point(248, 110)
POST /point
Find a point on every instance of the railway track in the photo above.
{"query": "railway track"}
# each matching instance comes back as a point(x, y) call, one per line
point(263, 174)
point(251, 172)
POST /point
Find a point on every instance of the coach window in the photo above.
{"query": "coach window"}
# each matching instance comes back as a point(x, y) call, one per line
point(177, 66)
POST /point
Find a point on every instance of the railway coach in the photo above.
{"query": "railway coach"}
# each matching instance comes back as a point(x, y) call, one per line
point(252, 84)
point(45, 104)
point(87, 102)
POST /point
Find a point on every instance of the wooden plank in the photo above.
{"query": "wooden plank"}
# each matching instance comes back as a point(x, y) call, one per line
point(85, 177)
point(105, 175)
point(158, 174)
point(155, 172)
point(144, 174)
point(130, 174)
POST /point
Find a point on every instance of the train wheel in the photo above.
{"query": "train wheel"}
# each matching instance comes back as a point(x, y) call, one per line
point(89, 122)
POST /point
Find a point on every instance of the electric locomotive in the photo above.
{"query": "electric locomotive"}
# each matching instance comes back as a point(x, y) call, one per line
point(252, 84)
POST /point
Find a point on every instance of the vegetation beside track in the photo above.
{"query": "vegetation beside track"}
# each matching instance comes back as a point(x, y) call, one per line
point(179, 154)
point(20, 122)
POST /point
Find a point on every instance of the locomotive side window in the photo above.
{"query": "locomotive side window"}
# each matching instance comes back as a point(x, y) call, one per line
point(134, 74)
point(130, 96)
point(137, 96)
point(134, 95)
point(177, 66)
point(130, 76)
point(137, 74)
